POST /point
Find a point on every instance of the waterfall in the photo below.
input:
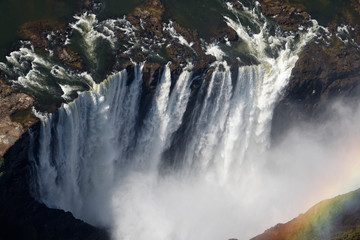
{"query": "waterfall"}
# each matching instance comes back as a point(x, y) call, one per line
point(177, 166)
point(92, 149)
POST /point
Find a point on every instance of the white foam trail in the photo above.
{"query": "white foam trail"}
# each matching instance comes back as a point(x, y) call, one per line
point(214, 50)
point(175, 35)
point(343, 33)
point(67, 91)
point(32, 71)
point(275, 71)
point(91, 31)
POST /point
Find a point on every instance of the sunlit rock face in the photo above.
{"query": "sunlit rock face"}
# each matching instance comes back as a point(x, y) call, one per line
point(13, 126)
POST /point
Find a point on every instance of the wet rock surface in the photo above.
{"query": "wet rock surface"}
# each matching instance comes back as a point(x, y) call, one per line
point(238, 5)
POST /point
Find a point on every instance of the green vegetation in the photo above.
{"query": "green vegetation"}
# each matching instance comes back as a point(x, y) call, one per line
point(25, 117)
point(351, 234)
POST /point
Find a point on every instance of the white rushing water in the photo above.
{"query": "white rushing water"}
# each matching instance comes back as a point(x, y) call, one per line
point(43, 76)
point(185, 167)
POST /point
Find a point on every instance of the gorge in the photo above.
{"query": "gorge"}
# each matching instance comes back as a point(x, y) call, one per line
point(146, 129)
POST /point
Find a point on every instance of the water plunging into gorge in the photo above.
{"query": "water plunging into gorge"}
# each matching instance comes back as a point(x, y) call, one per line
point(173, 165)
point(186, 159)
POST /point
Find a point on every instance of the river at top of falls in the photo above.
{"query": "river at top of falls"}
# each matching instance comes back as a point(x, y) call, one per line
point(188, 162)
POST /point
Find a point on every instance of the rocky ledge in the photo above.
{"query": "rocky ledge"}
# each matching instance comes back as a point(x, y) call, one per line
point(149, 23)
point(13, 104)
point(48, 37)
point(322, 75)
point(289, 16)
point(327, 70)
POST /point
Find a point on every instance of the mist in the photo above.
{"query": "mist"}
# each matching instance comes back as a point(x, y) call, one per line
point(223, 178)
point(312, 163)
point(193, 160)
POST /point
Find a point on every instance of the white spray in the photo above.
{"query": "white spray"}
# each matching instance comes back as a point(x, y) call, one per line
point(101, 161)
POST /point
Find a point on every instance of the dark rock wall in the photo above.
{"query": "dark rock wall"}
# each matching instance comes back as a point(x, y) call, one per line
point(21, 217)
point(326, 72)
point(321, 76)
point(328, 68)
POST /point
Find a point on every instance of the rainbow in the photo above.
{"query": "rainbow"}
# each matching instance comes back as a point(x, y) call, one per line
point(334, 218)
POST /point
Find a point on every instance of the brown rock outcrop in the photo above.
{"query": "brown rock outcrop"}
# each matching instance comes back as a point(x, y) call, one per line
point(50, 35)
point(149, 72)
point(149, 23)
point(69, 57)
point(323, 74)
point(238, 5)
point(11, 103)
point(290, 16)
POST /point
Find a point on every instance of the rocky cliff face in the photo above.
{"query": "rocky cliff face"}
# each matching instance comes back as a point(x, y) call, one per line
point(21, 217)
point(336, 218)
point(13, 104)
point(325, 71)
point(322, 75)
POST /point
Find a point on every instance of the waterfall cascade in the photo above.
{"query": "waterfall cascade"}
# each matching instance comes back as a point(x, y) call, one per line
point(177, 168)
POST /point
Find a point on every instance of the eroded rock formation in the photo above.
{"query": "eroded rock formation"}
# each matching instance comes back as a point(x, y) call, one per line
point(13, 104)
